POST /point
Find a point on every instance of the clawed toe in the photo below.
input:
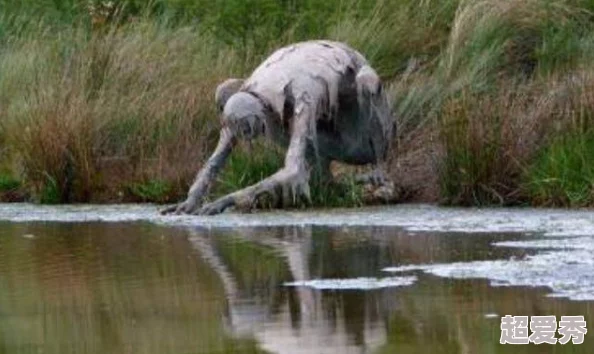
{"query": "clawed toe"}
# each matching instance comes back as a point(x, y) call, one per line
point(168, 210)
point(208, 209)
point(186, 207)
point(376, 178)
point(216, 207)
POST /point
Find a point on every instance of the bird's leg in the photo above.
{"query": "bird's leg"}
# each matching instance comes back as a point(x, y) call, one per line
point(375, 109)
point(206, 175)
point(291, 183)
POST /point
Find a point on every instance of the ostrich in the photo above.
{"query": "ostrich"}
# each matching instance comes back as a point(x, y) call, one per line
point(320, 99)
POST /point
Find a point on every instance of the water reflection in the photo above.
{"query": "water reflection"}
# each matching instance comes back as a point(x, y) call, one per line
point(137, 288)
point(107, 289)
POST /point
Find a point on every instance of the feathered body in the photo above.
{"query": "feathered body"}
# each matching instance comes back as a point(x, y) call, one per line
point(351, 113)
point(321, 99)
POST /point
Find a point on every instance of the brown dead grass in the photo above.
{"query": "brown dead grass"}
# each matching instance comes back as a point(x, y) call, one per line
point(480, 88)
point(128, 106)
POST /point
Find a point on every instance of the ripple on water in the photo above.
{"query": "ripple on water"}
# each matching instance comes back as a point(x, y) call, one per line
point(564, 264)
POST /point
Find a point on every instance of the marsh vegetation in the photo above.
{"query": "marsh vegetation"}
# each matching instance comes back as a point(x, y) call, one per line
point(108, 101)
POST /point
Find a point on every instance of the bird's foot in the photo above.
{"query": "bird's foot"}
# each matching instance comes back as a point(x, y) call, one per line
point(290, 186)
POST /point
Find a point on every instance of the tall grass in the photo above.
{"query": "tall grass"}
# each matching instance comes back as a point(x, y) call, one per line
point(563, 173)
point(103, 102)
point(132, 104)
point(509, 78)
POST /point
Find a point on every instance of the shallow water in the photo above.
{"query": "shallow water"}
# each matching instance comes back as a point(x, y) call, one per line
point(409, 279)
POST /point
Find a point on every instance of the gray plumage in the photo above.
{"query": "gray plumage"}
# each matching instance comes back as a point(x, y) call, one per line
point(320, 99)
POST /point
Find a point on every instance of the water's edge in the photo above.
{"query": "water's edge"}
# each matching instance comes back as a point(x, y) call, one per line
point(563, 264)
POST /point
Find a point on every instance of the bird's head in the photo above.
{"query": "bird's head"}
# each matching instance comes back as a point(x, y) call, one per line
point(245, 115)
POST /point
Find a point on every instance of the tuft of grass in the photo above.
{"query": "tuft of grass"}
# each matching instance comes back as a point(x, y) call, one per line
point(50, 192)
point(489, 141)
point(343, 192)
point(392, 34)
point(248, 164)
point(563, 173)
point(11, 189)
point(8, 183)
point(144, 93)
point(500, 96)
point(476, 167)
point(153, 191)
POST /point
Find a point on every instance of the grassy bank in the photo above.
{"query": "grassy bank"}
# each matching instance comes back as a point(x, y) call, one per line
point(114, 101)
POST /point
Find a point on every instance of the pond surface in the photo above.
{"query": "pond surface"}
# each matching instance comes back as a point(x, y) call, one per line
point(406, 279)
